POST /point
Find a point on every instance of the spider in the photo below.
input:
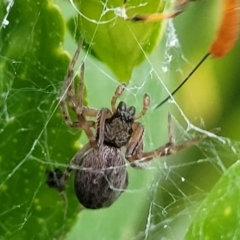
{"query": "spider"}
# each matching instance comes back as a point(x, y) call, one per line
point(101, 175)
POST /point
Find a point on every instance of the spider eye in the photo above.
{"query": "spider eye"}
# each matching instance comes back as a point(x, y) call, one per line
point(121, 107)
point(132, 110)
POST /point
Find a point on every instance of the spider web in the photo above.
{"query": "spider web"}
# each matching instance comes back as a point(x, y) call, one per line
point(163, 197)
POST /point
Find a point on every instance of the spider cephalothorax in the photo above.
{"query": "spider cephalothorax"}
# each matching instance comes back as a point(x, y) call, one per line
point(118, 128)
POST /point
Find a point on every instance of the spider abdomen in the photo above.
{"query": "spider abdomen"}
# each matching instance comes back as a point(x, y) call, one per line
point(102, 177)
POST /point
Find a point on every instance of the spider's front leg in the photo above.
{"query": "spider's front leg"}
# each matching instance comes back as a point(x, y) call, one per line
point(134, 151)
point(68, 86)
point(75, 100)
point(135, 146)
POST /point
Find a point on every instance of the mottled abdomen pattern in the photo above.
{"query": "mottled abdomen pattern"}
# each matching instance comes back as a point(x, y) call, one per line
point(101, 178)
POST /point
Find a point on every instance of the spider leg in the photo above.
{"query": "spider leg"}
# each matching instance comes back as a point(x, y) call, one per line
point(76, 102)
point(80, 108)
point(167, 149)
point(68, 88)
point(77, 124)
point(57, 179)
point(118, 92)
point(157, 17)
point(146, 103)
point(103, 114)
point(134, 150)
point(82, 111)
point(76, 106)
point(80, 93)
point(135, 145)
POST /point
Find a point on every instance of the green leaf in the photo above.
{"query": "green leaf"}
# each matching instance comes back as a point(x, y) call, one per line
point(218, 216)
point(32, 130)
point(121, 44)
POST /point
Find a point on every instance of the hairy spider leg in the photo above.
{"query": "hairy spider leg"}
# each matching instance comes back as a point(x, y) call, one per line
point(118, 92)
point(157, 17)
point(76, 161)
point(67, 82)
point(82, 122)
point(81, 109)
point(146, 103)
point(76, 102)
point(74, 165)
point(68, 88)
point(135, 145)
point(168, 149)
point(103, 114)
point(80, 94)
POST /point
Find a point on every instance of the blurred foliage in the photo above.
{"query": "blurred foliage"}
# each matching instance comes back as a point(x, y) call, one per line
point(35, 138)
point(120, 44)
point(32, 67)
point(218, 215)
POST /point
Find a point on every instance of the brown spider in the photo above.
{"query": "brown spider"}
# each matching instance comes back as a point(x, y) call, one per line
point(101, 175)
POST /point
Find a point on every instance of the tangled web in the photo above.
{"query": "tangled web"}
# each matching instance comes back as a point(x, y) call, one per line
point(163, 197)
